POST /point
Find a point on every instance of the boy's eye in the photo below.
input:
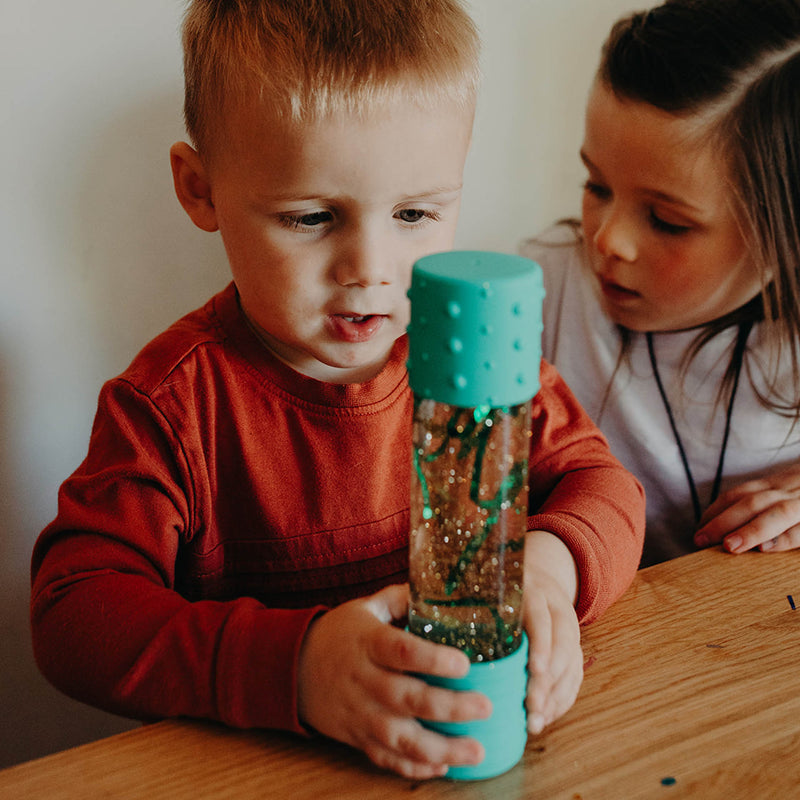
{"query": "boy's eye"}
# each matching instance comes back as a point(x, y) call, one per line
point(311, 220)
point(669, 228)
point(415, 215)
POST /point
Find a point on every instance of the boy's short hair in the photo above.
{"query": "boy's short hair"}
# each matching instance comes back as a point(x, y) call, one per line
point(305, 59)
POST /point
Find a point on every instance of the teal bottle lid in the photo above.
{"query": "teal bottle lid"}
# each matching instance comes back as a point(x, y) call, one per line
point(475, 336)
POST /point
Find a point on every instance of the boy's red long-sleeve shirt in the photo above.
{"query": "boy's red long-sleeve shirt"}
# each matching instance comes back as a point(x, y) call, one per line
point(226, 500)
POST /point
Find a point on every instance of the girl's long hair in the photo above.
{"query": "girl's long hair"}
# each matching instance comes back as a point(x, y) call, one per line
point(735, 64)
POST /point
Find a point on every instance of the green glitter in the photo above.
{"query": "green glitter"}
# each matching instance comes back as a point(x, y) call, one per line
point(481, 412)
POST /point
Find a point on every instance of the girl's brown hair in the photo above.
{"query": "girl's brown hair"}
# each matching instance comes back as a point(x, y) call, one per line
point(736, 65)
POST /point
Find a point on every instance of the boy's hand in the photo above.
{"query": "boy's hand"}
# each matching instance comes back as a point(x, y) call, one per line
point(761, 513)
point(556, 658)
point(354, 686)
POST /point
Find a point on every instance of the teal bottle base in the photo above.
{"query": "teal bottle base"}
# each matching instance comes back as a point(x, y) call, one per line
point(505, 734)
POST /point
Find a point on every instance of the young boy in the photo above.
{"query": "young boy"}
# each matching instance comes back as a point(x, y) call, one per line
point(235, 543)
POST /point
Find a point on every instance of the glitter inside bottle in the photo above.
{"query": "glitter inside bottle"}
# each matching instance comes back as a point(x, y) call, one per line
point(469, 500)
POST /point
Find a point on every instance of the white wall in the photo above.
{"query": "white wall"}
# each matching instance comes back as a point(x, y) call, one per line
point(98, 257)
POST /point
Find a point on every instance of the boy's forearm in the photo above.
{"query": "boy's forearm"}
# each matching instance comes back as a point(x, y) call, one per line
point(598, 514)
point(584, 496)
point(119, 641)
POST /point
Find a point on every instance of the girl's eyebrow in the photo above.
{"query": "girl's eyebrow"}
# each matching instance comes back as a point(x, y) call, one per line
point(674, 201)
point(587, 161)
point(653, 193)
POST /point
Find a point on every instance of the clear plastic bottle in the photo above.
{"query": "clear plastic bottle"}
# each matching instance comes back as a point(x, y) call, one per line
point(469, 504)
point(474, 359)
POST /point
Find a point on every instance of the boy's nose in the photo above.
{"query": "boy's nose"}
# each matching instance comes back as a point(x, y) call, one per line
point(616, 237)
point(363, 260)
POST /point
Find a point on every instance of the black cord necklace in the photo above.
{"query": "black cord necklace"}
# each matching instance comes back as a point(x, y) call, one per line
point(737, 359)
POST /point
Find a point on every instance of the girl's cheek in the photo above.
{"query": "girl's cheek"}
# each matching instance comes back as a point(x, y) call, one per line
point(589, 223)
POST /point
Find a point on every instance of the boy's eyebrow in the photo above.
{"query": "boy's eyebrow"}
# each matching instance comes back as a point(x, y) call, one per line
point(437, 191)
point(665, 196)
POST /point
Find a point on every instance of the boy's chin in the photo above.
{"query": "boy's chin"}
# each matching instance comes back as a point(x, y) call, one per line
point(358, 364)
point(357, 372)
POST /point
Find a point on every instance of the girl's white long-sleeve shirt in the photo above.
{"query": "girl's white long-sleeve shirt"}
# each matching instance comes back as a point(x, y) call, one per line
point(584, 345)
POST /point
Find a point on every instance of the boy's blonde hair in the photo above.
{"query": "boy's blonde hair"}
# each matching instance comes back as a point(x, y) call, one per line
point(304, 59)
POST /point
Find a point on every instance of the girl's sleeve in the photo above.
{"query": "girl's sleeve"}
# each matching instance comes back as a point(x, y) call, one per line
point(109, 627)
point(582, 494)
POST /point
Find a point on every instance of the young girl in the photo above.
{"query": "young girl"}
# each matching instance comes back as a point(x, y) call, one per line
point(673, 307)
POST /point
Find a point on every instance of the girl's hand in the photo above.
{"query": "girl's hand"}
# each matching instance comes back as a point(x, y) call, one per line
point(355, 686)
point(763, 513)
point(556, 658)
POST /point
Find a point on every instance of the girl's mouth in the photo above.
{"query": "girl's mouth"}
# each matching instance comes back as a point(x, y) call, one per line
point(617, 293)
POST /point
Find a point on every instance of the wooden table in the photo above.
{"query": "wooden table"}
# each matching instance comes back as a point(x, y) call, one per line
point(692, 689)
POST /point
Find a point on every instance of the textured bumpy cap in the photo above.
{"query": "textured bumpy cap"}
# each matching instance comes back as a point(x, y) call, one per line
point(476, 328)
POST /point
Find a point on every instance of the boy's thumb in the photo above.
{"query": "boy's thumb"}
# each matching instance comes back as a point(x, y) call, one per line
point(390, 604)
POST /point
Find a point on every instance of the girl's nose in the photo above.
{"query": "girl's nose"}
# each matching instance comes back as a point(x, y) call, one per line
point(616, 237)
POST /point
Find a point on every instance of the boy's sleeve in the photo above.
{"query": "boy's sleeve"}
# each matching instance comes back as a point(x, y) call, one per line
point(582, 494)
point(109, 627)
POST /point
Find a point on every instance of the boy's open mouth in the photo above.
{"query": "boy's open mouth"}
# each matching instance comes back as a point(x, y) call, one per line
point(355, 327)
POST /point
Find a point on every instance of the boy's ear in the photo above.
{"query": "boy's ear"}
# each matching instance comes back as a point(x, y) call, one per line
point(192, 186)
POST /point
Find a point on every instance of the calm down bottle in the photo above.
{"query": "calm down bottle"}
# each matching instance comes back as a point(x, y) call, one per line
point(475, 352)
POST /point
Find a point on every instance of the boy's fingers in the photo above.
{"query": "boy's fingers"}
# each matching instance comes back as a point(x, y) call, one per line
point(402, 744)
point(408, 695)
point(539, 627)
point(563, 694)
point(547, 704)
point(413, 770)
point(416, 752)
point(402, 651)
point(556, 665)
point(408, 741)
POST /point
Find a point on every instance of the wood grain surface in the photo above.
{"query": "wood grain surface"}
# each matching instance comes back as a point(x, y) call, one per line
point(691, 689)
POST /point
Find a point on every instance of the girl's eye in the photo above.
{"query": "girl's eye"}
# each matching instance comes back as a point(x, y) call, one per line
point(667, 227)
point(414, 216)
point(596, 190)
point(313, 220)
